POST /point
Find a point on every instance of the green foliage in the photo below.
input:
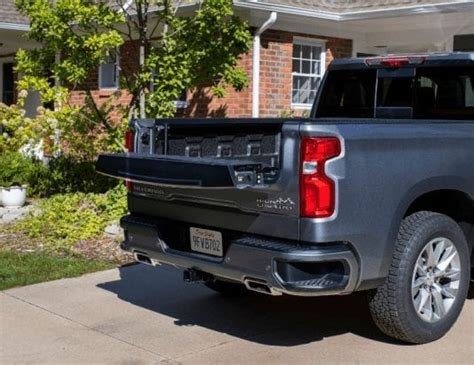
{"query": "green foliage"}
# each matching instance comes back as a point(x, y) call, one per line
point(181, 52)
point(15, 169)
point(61, 175)
point(66, 174)
point(18, 269)
point(64, 219)
point(81, 31)
point(83, 135)
point(199, 50)
point(18, 130)
point(293, 114)
point(75, 37)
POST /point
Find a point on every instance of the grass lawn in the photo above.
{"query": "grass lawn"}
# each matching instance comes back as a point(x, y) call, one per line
point(18, 269)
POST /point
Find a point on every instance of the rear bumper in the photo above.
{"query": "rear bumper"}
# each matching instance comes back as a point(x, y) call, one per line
point(286, 267)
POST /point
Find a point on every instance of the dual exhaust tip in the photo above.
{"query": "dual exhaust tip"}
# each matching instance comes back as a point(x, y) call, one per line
point(197, 276)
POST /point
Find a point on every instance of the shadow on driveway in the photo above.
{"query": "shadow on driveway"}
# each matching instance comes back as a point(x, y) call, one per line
point(277, 321)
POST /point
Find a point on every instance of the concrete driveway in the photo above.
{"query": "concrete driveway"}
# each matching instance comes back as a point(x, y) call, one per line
point(140, 314)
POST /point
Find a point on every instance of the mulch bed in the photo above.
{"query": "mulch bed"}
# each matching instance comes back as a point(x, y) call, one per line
point(104, 248)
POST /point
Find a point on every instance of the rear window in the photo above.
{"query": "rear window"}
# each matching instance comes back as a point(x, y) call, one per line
point(348, 94)
point(424, 93)
point(444, 93)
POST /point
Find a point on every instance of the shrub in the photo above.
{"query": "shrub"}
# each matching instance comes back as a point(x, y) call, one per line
point(60, 176)
point(18, 131)
point(16, 169)
point(67, 174)
point(64, 219)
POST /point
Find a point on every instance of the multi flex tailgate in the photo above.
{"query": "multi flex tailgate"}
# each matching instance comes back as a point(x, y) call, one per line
point(180, 170)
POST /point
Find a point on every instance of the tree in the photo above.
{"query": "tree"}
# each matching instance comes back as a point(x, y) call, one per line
point(180, 51)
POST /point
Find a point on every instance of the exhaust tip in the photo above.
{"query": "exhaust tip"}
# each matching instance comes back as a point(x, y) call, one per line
point(144, 259)
point(260, 287)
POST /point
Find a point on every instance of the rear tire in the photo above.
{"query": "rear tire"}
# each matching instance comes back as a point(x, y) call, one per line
point(227, 288)
point(428, 280)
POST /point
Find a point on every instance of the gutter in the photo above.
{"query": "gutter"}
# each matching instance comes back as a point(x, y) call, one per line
point(13, 26)
point(447, 6)
point(256, 63)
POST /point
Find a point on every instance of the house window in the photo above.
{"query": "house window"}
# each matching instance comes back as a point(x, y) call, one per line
point(307, 72)
point(8, 84)
point(108, 73)
point(182, 101)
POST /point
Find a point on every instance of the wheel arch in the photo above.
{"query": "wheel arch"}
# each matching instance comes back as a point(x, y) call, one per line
point(421, 196)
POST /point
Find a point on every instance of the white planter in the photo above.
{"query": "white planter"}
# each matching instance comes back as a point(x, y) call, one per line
point(13, 197)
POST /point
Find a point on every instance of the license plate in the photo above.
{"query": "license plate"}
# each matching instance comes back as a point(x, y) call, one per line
point(206, 241)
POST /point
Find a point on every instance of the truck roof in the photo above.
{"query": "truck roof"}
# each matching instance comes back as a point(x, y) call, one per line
point(405, 60)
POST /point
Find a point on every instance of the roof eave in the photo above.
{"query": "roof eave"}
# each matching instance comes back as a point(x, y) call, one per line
point(358, 15)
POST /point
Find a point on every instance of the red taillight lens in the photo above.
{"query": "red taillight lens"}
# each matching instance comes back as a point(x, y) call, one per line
point(129, 140)
point(317, 190)
point(129, 145)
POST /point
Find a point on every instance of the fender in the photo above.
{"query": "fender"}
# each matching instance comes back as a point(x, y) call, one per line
point(421, 188)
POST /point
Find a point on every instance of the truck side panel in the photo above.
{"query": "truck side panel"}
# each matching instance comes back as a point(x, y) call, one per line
point(385, 167)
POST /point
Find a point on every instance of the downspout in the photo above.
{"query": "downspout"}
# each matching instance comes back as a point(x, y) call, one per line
point(256, 63)
point(142, 114)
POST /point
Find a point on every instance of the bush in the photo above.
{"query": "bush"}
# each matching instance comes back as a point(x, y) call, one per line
point(19, 131)
point(16, 169)
point(60, 176)
point(65, 219)
point(69, 175)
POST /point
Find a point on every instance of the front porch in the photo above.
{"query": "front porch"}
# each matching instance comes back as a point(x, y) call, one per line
point(11, 39)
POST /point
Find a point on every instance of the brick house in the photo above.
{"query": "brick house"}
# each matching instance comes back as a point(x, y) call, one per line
point(298, 40)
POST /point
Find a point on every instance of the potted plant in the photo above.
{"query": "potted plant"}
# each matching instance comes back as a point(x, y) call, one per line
point(14, 175)
point(13, 196)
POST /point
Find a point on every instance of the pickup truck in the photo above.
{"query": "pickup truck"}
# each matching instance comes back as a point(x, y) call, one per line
point(374, 191)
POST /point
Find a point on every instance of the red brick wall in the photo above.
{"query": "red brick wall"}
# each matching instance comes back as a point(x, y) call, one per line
point(275, 79)
point(129, 62)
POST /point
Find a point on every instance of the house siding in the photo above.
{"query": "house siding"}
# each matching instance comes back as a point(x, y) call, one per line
point(275, 79)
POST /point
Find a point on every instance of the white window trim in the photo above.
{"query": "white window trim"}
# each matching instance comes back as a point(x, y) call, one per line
point(314, 43)
point(117, 66)
point(180, 104)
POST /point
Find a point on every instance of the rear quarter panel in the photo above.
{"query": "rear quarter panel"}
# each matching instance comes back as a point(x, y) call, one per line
point(385, 166)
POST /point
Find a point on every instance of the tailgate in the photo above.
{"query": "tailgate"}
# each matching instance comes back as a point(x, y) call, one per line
point(176, 171)
point(232, 174)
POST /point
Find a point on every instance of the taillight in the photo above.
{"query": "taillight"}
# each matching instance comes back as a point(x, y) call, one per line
point(129, 140)
point(129, 145)
point(317, 190)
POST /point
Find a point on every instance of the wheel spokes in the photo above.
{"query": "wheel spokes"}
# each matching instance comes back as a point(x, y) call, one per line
point(449, 292)
point(446, 260)
point(436, 278)
point(423, 299)
point(430, 256)
point(438, 304)
point(438, 251)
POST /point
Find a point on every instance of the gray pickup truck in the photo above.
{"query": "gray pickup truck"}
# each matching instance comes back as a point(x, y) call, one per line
point(375, 192)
